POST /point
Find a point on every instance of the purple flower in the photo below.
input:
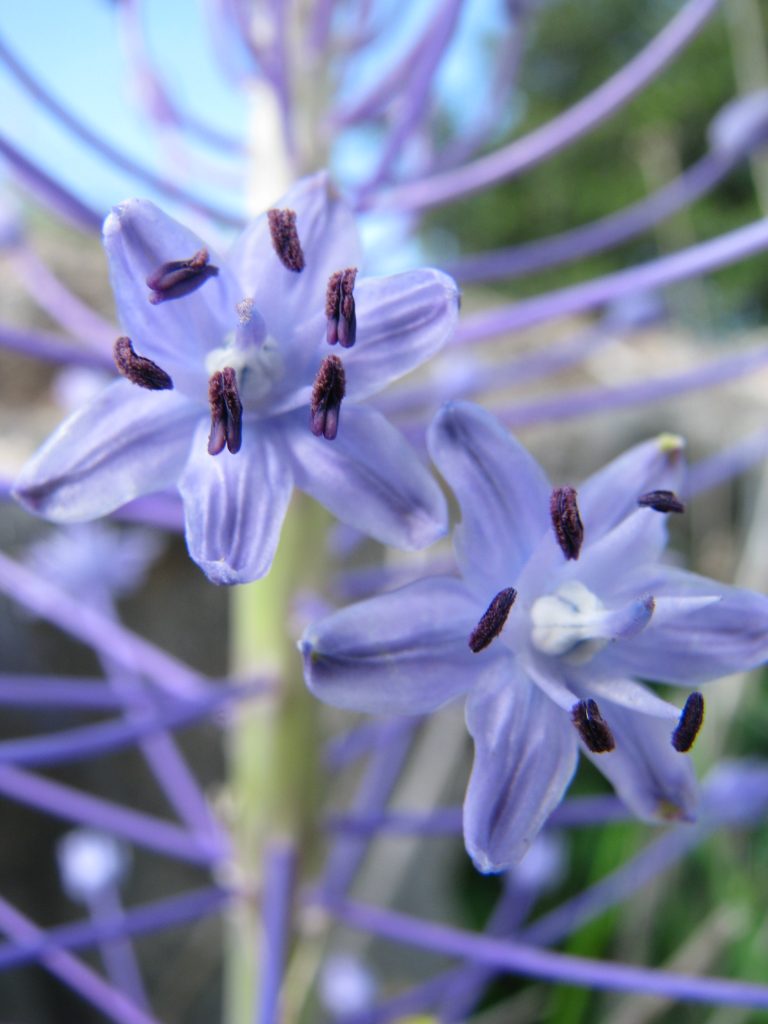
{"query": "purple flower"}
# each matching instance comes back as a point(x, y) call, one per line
point(234, 394)
point(562, 606)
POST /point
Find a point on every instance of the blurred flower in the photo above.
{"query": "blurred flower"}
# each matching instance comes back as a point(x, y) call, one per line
point(346, 987)
point(592, 609)
point(91, 863)
point(206, 383)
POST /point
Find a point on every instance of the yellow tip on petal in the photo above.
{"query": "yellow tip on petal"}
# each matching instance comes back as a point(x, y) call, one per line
point(670, 444)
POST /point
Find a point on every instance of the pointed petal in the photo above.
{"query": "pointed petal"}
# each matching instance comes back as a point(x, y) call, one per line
point(125, 443)
point(502, 491)
point(634, 696)
point(401, 321)
point(235, 506)
point(371, 478)
point(655, 781)
point(525, 756)
point(176, 334)
point(691, 639)
point(404, 652)
point(329, 241)
point(611, 494)
point(606, 563)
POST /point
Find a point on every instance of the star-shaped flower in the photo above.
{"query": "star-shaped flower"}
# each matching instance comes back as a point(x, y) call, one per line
point(233, 393)
point(562, 607)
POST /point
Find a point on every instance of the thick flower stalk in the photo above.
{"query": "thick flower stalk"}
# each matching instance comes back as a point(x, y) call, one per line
point(563, 605)
point(234, 391)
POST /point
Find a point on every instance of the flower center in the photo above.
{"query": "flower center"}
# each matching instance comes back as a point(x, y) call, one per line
point(575, 624)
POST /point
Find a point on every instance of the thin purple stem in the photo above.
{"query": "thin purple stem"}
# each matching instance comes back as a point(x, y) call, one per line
point(51, 348)
point(277, 900)
point(725, 465)
point(115, 1005)
point(562, 130)
point(114, 641)
point(692, 262)
point(50, 692)
point(171, 912)
point(107, 151)
point(606, 233)
point(62, 801)
point(163, 510)
point(49, 192)
point(118, 955)
point(523, 959)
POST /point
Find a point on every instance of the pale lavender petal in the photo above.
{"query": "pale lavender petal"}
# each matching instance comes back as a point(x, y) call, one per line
point(502, 491)
point(696, 641)
point(235, 505)
point(369, 477)
point(178, 333)
point(404, 652)
point(611, 494)
point(401, 321)
point(329, 241)
point(525, 756)
point(655, 781)
point(605, 565)
point(125, 443)
point(633, 696)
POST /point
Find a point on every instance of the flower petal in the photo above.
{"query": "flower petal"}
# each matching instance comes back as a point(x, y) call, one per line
point(125, 443)
point(611, 494)
point(525, 756)
point(401, 321)
point(689, 642)
point(369, 477)
point(176, 334)
point(606, 563)
point(404, 652)
point(655, 781)
point(502, 491)
point(235, 506)
point(329, 241)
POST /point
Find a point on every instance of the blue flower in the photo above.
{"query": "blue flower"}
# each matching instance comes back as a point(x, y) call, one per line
point(234, 393)
point(562, 607)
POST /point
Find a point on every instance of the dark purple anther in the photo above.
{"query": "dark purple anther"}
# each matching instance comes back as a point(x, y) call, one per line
point(180, 277)
point(340, 308)
point(493, 620)
point(138, 369)
point(691, 719)
point(226, 412)
point(327, 394)
point(566, 521)
point(592, 727)
point(661, 501)
point(285, 239)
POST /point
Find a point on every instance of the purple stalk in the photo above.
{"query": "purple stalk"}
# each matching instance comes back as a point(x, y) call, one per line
point(520, 958)
point(277, 899)
point(53, 692)
point(171, 912)
point(66, 308)
point(724, 465)
point(62, 801)
point(114, 1005)
point(354, 743)
point(118, 955)
point(107, 151)
point(163, 510)
point(114, 641)
point(89, 741)
point(558, 133)
point(692, 262)
point(49, 192)
point(51, 348)
point(606, 233)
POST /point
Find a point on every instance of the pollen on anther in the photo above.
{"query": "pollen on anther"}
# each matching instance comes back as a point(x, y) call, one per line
point(285, 239)
point(341, 316)
point(493, 620)
point(327, 393)
point(691, 719)
point(226, 412)
point(661, 501)
point(566, 521)
point(592, 727)
point(176, 278)
point(138, 369)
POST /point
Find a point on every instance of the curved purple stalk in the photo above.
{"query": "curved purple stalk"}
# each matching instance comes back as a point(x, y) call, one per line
point(522, 959)
point(49, 192)
point(279, 881)
point(107, 151)
point(558, 133)
point(88, 741)
point(119, 956)
point(62, 801)
point(679, 266)
point(51, 348)
point(171, 912)
point(28, 691)
point(606, 233)
point(116, 1006)
point(162, 509)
